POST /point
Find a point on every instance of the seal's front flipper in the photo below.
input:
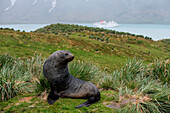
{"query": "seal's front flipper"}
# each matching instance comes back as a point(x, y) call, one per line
point(52, 97)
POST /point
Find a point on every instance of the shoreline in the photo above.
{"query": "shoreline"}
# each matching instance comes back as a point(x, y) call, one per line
point(155, 31)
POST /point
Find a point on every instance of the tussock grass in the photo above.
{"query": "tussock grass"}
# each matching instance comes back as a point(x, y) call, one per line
point(13, 77)
point(139, 92)
point(150, 97)
point(41, 85)
point(84, 70)
point(128, 75)
point(17, 75)
point(159, 70)
point(138, 88)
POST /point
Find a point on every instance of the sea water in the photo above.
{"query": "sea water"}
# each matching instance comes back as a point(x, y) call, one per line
point(23, 27)
point(156, 32)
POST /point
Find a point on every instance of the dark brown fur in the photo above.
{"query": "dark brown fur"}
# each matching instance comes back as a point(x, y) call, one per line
point(63, 84)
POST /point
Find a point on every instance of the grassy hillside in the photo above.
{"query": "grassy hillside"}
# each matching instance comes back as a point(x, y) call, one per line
point(106, 48)
point(167, 41)
point(101, 56)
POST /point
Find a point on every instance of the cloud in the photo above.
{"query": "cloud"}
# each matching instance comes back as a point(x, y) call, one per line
point(12, 3)
point(52, 5)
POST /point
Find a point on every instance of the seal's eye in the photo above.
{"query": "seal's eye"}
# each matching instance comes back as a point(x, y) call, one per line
point(66, 54)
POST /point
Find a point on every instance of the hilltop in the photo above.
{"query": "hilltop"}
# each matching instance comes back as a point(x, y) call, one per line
point(106, 48)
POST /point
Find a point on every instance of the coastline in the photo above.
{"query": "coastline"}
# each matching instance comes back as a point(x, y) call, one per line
point(155, 31)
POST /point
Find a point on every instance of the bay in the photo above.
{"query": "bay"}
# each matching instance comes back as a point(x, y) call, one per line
point(155, 31)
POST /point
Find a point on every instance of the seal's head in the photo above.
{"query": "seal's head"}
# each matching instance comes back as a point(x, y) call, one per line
point(57, 63)
point(62, 57)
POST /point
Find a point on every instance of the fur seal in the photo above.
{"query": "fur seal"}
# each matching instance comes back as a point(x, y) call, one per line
point(63, 84)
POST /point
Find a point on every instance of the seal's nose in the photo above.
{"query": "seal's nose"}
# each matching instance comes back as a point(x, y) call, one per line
point(70, 57)
point(73, 56)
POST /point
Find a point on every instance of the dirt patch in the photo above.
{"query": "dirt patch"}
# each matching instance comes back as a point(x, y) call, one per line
point(134, 99)
point(17, 104)
point(7, 107)
point(114, 105)
point(44, 95)
point(25, 99)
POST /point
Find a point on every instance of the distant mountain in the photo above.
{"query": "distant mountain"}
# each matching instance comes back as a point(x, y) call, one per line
point(52, 11)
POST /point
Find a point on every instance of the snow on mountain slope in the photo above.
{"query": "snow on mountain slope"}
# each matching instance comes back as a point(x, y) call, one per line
point(12, 3)
point(34, 2)
point(122, 11)
point(53, 4)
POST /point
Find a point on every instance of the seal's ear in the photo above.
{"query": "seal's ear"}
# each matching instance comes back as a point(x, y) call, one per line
point(52, 97)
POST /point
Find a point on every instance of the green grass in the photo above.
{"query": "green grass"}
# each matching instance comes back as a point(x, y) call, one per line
point(37, 104)
point(121, 65)
point(130, 89)
point(115, 53)
point(165, 41)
